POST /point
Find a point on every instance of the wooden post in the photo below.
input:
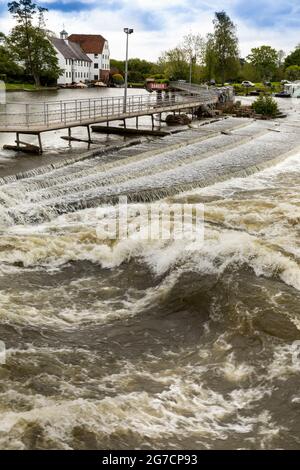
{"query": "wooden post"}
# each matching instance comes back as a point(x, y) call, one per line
point(124, 122)
point(18, 139)
point(40, 142)
point(152, 119)
point(137, 122)
point(89, 133)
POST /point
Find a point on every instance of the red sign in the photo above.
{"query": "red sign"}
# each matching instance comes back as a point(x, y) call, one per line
point(157, 86)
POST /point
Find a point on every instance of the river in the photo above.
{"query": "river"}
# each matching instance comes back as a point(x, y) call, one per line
point(140, 344)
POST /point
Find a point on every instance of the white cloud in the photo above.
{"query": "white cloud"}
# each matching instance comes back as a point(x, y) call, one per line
point(175, 17)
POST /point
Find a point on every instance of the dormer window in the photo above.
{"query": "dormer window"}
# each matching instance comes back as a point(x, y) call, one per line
point(95, 56)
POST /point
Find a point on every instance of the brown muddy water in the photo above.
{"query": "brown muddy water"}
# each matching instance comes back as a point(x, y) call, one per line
point(135, 344)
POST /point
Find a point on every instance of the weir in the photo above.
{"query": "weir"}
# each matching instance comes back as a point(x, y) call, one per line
point(146, 172)
point(34, 118)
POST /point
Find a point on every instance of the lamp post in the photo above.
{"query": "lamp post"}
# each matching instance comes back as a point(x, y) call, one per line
point(127, 31)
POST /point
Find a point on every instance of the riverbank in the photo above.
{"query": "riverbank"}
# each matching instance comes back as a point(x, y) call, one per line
point(10, 87)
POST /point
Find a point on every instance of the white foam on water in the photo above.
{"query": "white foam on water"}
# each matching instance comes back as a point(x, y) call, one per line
point(286, 361)
point(185, 406)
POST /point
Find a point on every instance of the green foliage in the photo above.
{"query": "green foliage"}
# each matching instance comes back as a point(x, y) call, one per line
point(29, 43)
point(210, 57)
point(249, 72)
point(138, 69)
point(8, 67)
point(293, 72)
point(118, 79)
point(174, 64)
point(293, 58)
point(225, 45)
point(265, 60)
point(265, 105)
point(193, 46)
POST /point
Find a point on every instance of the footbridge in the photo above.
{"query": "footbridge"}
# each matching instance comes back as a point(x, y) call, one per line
point(34, 117)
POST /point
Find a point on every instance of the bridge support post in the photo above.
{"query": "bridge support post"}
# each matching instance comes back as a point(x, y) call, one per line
point(152, 120)
point(40, 142)
point(89, 134)
point(124, 122)
point(137, 122)
point(18, 139)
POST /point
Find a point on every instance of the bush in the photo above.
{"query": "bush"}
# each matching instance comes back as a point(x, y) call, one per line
point(118, 79)
point(266, 106)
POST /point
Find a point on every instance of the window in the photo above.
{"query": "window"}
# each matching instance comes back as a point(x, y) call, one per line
point(95, 66)
point(95, 77)
point(95, 56)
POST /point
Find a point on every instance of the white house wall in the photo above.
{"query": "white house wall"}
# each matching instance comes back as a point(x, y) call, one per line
point(78, 70)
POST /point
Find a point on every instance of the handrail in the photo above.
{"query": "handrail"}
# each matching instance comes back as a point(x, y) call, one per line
point(64, 112)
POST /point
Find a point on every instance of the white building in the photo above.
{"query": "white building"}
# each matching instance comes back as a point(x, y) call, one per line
point(96, 48)
point(76, 65)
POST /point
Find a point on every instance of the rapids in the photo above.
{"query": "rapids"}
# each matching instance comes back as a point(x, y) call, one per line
point(144, 343)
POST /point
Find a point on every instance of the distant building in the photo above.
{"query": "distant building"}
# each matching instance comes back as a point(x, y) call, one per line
point(76, 65)
point(96, 48)
point(82, 57)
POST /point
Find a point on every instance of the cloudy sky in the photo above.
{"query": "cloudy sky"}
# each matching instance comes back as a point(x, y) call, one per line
point(160, 24)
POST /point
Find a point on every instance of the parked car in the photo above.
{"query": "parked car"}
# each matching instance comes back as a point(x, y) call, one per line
point(283, 94)
point(247, 83)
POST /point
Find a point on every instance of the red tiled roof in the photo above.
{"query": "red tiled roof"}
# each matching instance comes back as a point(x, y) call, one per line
point(89, 43)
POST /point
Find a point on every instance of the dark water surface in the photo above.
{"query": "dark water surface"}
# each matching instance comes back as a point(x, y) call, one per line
point(145, 344)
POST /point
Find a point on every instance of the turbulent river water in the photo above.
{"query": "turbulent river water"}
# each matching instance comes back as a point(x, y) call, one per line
point(146, 344)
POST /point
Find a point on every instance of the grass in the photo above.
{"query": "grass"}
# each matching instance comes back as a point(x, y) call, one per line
point(136, 84)
point(23, 86)
point(241, 90)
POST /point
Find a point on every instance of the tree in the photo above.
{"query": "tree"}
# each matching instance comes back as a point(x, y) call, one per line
point(210, 58)
point(226, 44)
point(8, 66)
point(293, 58)
point(30, 43)
point(193, 45)
point(138, 69)
point(174, 64)
point(249, 72)
point(265, 60)
point(293, 72)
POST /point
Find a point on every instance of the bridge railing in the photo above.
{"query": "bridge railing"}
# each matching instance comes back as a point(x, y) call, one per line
point(69, 112)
